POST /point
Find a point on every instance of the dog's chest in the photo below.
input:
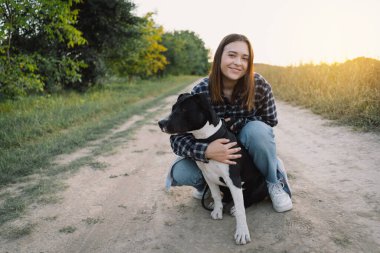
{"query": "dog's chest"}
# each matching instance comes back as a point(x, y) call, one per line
point(214, 171)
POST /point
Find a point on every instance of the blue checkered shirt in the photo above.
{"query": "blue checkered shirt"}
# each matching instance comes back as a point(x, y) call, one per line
point(265, 110)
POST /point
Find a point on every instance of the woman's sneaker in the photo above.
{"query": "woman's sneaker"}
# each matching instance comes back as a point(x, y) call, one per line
point(280, 199)
point(198, 194)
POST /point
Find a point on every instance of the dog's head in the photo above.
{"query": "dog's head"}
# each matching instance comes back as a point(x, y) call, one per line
point(189, 113)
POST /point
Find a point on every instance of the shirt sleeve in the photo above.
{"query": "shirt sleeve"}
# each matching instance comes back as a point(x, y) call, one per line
point(186, 146)
point(266, 104)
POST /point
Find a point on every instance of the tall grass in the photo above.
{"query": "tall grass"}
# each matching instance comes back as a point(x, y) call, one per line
point(36, 129)
point(348, 92)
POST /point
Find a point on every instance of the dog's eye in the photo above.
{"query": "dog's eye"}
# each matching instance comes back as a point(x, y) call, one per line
point(183, 110)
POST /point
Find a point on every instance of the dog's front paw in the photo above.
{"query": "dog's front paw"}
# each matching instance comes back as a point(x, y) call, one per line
point(242, 235)
point(217, 213)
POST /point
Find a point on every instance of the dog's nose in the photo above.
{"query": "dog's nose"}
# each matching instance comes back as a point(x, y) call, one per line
point(162, 123)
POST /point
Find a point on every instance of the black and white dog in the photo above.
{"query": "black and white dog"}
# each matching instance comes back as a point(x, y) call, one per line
point(194, 114)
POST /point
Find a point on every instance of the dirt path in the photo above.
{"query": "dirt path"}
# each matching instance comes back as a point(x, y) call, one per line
point(334, 173)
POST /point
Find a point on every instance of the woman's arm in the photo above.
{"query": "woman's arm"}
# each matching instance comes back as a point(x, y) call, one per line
point(185, 145)
point(265, 103)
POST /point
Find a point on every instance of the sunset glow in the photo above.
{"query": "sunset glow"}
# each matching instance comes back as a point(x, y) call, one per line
point(282, 32)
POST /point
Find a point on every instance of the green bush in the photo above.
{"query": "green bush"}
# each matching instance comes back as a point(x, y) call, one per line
point(19, 76)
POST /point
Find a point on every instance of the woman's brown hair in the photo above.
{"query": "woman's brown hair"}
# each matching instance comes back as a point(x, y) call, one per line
point(245, 86)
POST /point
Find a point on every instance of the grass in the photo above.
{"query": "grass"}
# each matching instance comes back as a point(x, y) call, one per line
point(93, 221)
point(12, 208)
point(347, 92)
point(19, 231)
point(68, 230)
point(37, 129)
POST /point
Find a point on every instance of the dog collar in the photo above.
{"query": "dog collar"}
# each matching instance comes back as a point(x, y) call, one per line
point(221, 132)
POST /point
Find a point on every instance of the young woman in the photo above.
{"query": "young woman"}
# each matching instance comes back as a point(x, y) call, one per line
point(245, 100)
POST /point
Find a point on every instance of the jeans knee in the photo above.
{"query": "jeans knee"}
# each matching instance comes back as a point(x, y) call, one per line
point(256, 133)
point(186, 172)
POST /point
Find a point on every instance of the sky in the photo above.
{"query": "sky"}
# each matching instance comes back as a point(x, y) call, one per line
point(282, 32)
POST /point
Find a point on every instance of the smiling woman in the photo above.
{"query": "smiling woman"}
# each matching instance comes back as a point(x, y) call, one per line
point(250, 112)
point(232, 72)
point(234, 64)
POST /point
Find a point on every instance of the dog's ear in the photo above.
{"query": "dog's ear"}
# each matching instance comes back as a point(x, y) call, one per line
point(203, 101)
point(183, 96)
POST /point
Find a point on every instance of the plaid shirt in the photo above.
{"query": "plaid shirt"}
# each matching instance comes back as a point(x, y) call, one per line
point(265, 110)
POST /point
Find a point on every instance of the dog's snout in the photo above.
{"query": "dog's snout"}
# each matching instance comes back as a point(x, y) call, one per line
point(162, 124)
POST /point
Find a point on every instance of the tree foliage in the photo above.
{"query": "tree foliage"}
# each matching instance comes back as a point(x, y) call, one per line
point(18, 76)
point(32, 32)
point(146, 54)
point(109, 26)
point(186, 53)
point(49, 45)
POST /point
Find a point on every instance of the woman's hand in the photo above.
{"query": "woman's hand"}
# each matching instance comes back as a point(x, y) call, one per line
point(222, 150)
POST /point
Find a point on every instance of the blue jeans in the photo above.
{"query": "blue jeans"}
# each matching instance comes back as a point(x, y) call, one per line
point(258, 138)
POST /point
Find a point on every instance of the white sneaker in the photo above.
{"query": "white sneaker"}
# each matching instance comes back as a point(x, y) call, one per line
point(280, 199)
point(198, 194)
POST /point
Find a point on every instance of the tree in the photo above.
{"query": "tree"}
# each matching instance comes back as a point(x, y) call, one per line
point(152, 59)
point(109, 26)
point(185, 53)
point(147, 58)
point(34, 36)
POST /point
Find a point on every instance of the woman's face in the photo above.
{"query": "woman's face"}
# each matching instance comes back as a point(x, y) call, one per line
point(234, 62)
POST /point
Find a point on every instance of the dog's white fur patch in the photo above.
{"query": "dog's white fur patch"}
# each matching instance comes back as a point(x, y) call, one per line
point(206, 131)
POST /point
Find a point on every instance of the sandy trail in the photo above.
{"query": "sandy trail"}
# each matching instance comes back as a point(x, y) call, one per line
point(334, 173)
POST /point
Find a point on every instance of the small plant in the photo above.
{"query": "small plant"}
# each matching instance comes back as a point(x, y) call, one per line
point(50, 218)
point(68, 230)
point(18, 231)
point(92, 221)
point(98, 165)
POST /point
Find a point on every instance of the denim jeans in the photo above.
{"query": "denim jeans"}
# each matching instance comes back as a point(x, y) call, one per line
point(258, 138)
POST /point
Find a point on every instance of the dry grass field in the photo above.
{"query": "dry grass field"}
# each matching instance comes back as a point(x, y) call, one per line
point(348, 92)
